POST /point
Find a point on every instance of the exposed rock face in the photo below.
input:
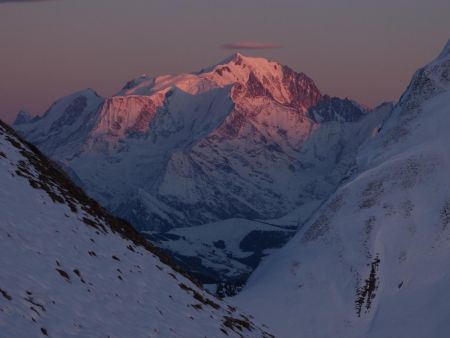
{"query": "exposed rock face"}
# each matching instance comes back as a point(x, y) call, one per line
point(126, 116)
point(335, 109)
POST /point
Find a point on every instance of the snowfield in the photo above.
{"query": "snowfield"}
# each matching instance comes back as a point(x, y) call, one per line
point(69, 269)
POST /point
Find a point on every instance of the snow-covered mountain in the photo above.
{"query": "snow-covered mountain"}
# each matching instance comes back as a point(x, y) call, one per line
point(70, 269)
point(373, 260)
point(246, 141)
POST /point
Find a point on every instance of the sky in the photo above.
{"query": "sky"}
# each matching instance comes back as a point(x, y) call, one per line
point(366, 50)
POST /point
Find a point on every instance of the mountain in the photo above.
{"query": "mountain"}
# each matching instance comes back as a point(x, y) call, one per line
point(246, 139)
point(23, 117)
point(69, 268)
point(233, 140)
point(373, 260)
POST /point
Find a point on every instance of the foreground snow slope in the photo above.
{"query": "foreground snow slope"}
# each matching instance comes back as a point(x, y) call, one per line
point(69, 269)
point(374, 260)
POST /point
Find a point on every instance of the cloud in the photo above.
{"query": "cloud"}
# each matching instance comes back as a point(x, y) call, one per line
point(251, 45)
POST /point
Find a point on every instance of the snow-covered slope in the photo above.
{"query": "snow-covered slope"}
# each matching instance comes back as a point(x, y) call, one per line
point(236, 140)
point(223, 254)
point(69, 269)
point(373, 261)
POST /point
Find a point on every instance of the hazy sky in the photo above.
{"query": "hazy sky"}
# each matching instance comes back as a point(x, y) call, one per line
point(363, 49)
